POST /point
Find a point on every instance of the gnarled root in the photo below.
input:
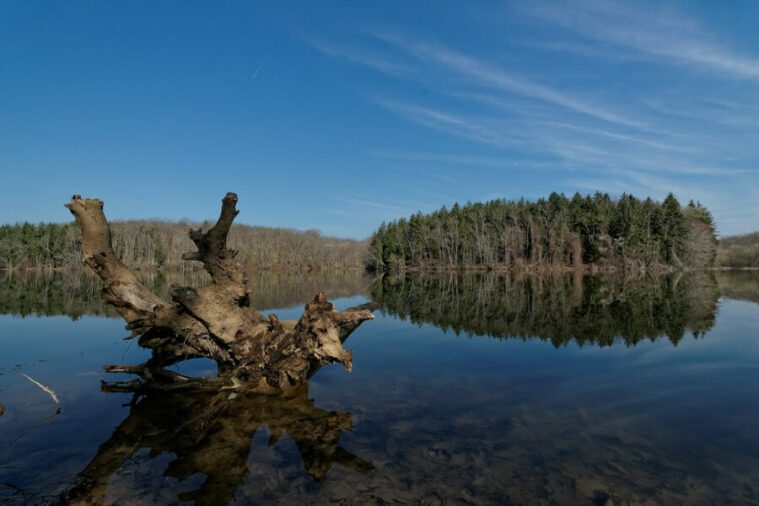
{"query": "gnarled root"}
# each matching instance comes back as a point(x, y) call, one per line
point(215, 321)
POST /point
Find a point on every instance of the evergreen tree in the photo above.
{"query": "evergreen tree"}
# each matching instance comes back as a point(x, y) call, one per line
point(594, 229)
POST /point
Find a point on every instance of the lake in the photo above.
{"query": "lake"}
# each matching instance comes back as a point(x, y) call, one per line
point(467, 388)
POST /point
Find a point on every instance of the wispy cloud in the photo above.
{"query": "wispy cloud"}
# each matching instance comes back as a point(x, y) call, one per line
point(257, 71)
point(396, 208)
point(487, 75)
point(619, 136)
point(652, 29)
point(739, 118)
point(363, 57)
point(483, 131)
point(579, 146)
point(465, 160)
point(445, 158)
point(342, 212)
point(377, 205)
point(436, 195)
point(589, 49)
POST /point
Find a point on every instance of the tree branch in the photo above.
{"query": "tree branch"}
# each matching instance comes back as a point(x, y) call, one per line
point(122, 288)
point(218, 260)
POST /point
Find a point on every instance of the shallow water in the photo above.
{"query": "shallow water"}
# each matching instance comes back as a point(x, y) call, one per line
point(477, 388)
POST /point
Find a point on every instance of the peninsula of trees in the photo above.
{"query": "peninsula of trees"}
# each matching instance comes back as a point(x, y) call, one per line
point(593, 230)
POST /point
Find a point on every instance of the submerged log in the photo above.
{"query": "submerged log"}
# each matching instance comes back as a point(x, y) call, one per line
point(215, 321)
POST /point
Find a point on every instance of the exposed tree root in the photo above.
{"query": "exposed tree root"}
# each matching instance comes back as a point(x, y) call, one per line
point(216, 321)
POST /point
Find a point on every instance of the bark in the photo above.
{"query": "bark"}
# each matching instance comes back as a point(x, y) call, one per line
point(215, 321)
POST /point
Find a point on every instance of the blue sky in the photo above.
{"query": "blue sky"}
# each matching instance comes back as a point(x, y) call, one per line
point(341, 115)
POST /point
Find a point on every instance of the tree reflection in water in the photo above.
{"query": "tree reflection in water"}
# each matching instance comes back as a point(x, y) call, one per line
point(77, 293)
point(211, 433)
point(560, 308)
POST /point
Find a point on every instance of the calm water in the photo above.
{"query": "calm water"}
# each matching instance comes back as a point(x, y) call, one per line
point(465, 389)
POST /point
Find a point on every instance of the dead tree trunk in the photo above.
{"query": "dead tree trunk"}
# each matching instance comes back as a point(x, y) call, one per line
point(216, 321)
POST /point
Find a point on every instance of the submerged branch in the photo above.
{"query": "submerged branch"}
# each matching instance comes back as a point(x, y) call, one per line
point(49, 391)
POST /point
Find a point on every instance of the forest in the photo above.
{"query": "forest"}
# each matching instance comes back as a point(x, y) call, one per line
point(157, 244)
point(740, 251)
point(627, 233)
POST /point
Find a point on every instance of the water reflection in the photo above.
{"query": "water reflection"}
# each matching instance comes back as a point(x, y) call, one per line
point(77, 293)
point(210, 434)
point(592, 309)
point(438, 418)
point(739, 284)
point(558, 308)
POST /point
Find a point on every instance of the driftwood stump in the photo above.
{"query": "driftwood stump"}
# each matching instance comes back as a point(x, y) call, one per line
point(215, 321)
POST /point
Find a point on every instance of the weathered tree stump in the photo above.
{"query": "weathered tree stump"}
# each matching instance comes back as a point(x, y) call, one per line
point(215, 321)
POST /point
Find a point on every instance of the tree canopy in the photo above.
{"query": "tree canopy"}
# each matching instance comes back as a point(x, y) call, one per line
point(557, 231)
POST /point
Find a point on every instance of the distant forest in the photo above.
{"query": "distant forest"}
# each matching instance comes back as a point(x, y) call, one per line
point(597, 230)
point(739, 251)
point(156, 244)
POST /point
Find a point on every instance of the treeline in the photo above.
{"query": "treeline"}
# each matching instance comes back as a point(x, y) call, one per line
point(627, 233)
point(560, 308)
point(741, 251)
point(160, 244)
